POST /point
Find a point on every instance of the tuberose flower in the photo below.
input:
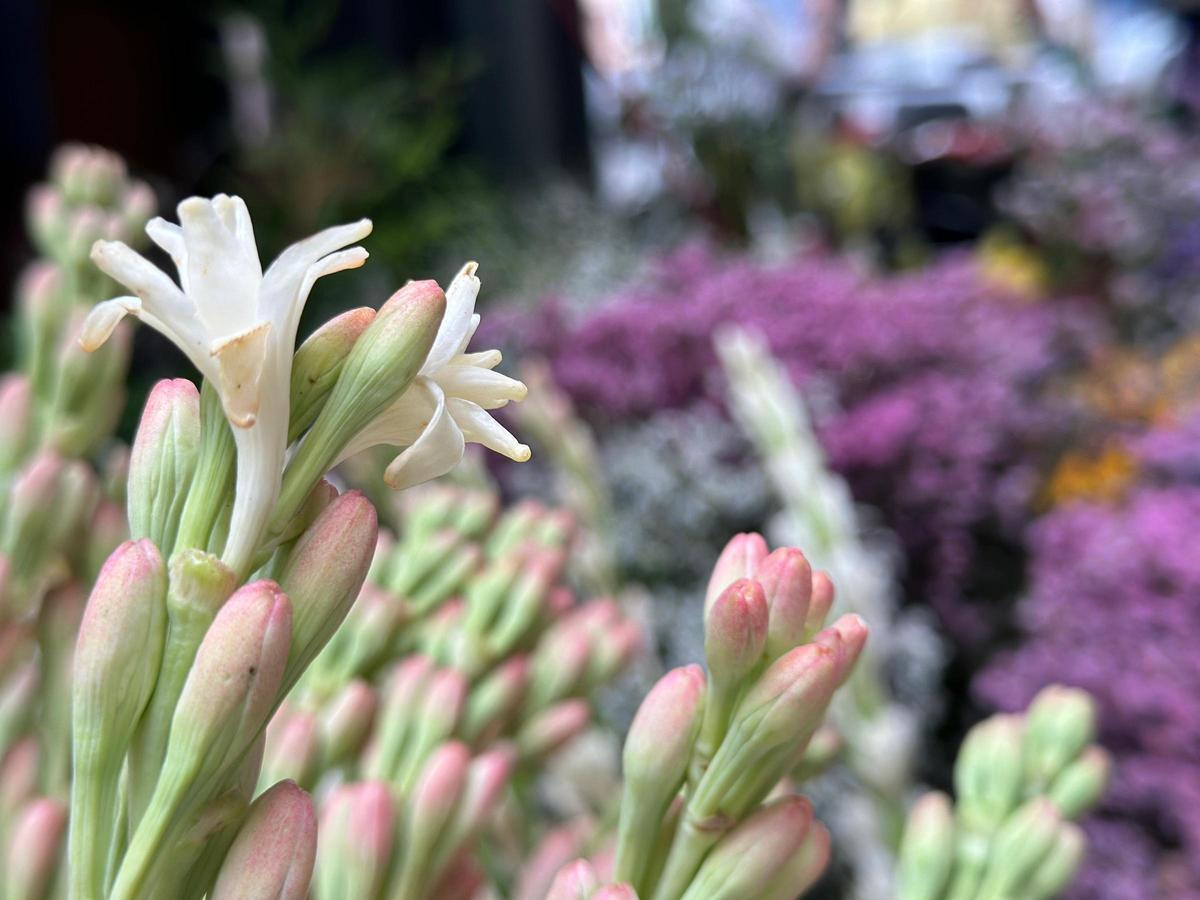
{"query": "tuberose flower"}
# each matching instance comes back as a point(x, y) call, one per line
point(447, 404)
point(236, 324)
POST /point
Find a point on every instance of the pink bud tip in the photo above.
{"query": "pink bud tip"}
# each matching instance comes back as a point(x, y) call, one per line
point(574, 881)
point(441, 783)
point(275, 849)
point(615, 892)
point(34, 845)
point(740, 558)
point(736, 630)
point(664, 727)
point(786, 578)
point(550, 730)
point(821, 604)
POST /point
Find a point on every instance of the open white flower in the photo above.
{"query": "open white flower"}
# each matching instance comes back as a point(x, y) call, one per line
point(447, 404)
point(236, 324)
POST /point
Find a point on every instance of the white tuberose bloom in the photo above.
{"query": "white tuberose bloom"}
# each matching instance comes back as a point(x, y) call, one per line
point(447, 404)
point(236, 324)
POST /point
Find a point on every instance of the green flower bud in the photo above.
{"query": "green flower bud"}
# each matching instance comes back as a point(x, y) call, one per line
point(492, 703)
point(655, 762)
point(786, 580)
point(318, 363)
point(1020, 845)
point(16, 412)
point(355, 850)
point(804, 868)
point(293, 750)
point(927, 850)
point(746, 860)
point(987, 773)
point(434, 800)
point(324, 574)
point(1080, 785)
point(346, 723)
point(116, 664)
point(741, 557)
point(1057, 869)
point(552, 729)
point(33, 850)
point(1061, 721)
point(273, 855)
point(163, 461)
point(407, 682)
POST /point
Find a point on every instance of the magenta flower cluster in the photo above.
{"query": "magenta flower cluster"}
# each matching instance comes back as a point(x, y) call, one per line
point(924, 385)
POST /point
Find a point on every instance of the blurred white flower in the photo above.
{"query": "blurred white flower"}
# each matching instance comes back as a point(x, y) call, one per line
point(236, 324)
point(447, 404)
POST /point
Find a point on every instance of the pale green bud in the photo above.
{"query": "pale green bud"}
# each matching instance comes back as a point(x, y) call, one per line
point(927, 850)
point(1057, 869)
point(988, 773)
point(434, 800)
point(1080, 785)
point(273, 855)
point(803, 869)
point(1061, 721)
point(163, 461)
point(318, 363)
point(1020, 845)
point(355, 849)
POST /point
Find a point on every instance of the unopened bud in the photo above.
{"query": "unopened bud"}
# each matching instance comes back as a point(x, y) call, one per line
point(786, 580)
point(550, 730)
point(293, 751)
point(1061, 721)
point(355, 850)
point(324, 574)
point(492, 703)
point(741, 557)
point(318, 363)
point(1058, 867)
point(273, 854)
point(927, 850)
point(574, 881)
point(735, 633)
point(16, 412)
point(435, 797)
point(559, 665)
point(163, 461)
point(1020, 845)
point(615, 892)
point(987, 773)
point(804, 868)
point(820, 604)
point(33, 849)
point(346, 722)
point(1080, 785)
point(851, 631)
point(745, 860)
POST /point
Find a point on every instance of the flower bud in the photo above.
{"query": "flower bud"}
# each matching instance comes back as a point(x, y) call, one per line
point(1058, 867)
point(492, 703)
point(550, 730)
point(408, 682)
point(927, 850)
point(324, 574)
point(735, 633)
point(1080, 785)
point(615, 892)
point(293, 751)
point(29, 516)
point(33, 849)
point(851, 632)
point(116, 664)
point(273, 854)
point(1061, 721)
point(741, 557)
point(435, 797)
point(559, 665)
point(804, 868)
point(163, 461)
point(655, 762)
point(552, 854)
point(379, 367)
point(318, 363)
point(745, 860)
point(16, 412)
point(107, 531)
point(355, 849)
point(346, 722)
point(825, 747)
point(820, 604)
point(786, 580)
point(225, 702)
point(46, 218)
point(1020, 845)
point(574, 881)
point(18, 776)
point(487, 778)
point(987, 773)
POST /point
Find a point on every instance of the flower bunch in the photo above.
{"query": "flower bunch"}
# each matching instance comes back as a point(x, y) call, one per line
point(243, 560)
point(1019, 781)
point(880, 733)
point(61, 515)
point(706, 750)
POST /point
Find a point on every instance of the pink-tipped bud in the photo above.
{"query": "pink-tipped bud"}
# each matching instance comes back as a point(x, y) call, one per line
point(735, 632)
point(820, 605)
point(443, 704)
point(33, 849)
point(18, 776)
point(163, 460)
point(560, 664)
point(318, 362)
point(787, 704)
point(293, 751)
point(851, 637)
point(324, 574)
point(555, 850)
point(574, 881)
point(234, 680)
point(273, 854)
point(494, 701)
point(803, 869)
point(487, 778)
point(436, 796)
point(787, 582)
point(16, 412)
point(357, 830)
point(745, 861)
point(552, 729)
point(346, 722)
point(663, 731)
point(615, 892)
point(741, 557)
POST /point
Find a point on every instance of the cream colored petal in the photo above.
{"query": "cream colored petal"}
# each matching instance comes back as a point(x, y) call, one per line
point(438, 450)
point(480, 428)
point(223, 271)
point(488, 389)
point(327, 265)
point(456, 324)
point(484, 359)
point(282, 280)
point(103, 320)
point(399, 425)
point(240, 359)
point(151, 284)
point(169, 237)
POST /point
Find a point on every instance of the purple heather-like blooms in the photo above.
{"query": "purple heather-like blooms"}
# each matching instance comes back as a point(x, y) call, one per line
point(922, 384)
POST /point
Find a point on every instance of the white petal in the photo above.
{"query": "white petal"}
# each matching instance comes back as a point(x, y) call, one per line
point(484, 359)
point(456, 324)
point(103, 320)
point(480, 428)
point(223, 271)
point(150, 283)
point(169, 237)
point(438, 450)
point(488, 389)
point(281, 283)
point(240, 359)
point(326, 265)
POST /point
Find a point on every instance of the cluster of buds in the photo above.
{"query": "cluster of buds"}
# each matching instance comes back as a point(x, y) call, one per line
point(498, 665)
point(241, 562)
point(705, 810)
point(1019, 781)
